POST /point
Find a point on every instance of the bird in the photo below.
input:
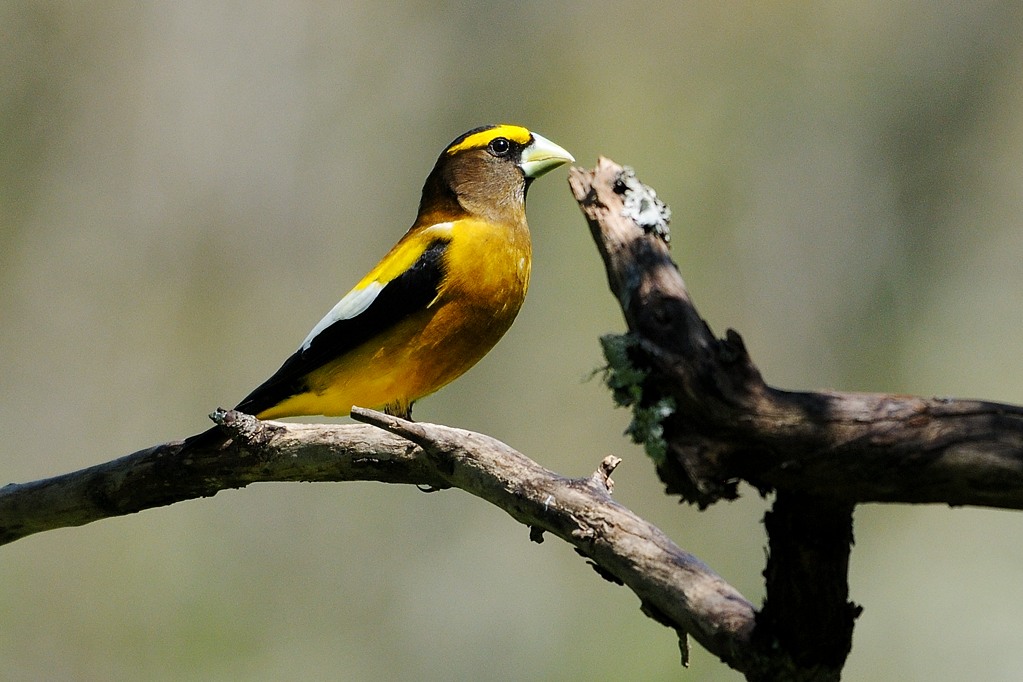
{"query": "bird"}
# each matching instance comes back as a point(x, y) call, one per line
point(438, 301)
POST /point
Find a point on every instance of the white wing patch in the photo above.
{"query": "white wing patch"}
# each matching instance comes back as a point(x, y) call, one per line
point(357, 301)
point(440, 229)
point(354, 303)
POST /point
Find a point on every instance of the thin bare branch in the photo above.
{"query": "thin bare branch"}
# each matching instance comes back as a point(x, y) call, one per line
point(172, 472)
point(676, 588)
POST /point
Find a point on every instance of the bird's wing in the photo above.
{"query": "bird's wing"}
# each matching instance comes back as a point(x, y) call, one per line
point(406, 281)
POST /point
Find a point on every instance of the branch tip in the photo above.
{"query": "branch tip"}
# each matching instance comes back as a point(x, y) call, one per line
point(641, 204)
point(244, 427)
point(603, 473)
point(387, 422)
point(368, 416)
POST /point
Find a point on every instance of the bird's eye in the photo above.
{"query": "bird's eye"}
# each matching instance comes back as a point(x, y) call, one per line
point(500, 146)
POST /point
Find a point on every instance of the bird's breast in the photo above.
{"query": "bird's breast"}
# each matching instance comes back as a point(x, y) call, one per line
point(487, 267)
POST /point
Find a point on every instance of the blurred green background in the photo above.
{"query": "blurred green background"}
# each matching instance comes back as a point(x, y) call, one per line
point(186, 188)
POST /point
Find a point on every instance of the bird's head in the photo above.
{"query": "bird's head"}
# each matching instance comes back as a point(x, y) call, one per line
point(487, 170)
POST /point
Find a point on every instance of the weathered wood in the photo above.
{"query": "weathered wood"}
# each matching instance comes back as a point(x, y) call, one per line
point(709, 420)
point(674, 587)
point(728, 425)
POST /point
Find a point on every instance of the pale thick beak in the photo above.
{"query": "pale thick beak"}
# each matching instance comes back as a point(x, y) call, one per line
point(541, 156)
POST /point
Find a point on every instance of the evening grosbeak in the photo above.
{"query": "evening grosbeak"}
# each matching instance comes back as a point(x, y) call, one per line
point(438, 301)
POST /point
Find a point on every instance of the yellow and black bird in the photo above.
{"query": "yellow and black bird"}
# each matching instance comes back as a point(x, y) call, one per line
point(438, 301)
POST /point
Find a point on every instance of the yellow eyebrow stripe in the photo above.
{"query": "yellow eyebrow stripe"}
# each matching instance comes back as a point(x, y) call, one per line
point(482, 138)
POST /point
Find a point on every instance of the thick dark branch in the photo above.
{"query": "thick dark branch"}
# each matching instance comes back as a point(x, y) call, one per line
point(728, 424)
point(807, 619)
point(673, 586)
point(709, 420)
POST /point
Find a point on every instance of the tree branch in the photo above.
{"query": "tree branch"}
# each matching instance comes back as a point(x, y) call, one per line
point(709, 420)
point(726, 424)
point(674, 587)
point(173, 472)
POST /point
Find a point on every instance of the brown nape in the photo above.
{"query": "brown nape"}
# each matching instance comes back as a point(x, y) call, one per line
point(438, 197)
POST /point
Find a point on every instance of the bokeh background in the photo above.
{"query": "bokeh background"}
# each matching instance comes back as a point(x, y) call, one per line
point(186, 187)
